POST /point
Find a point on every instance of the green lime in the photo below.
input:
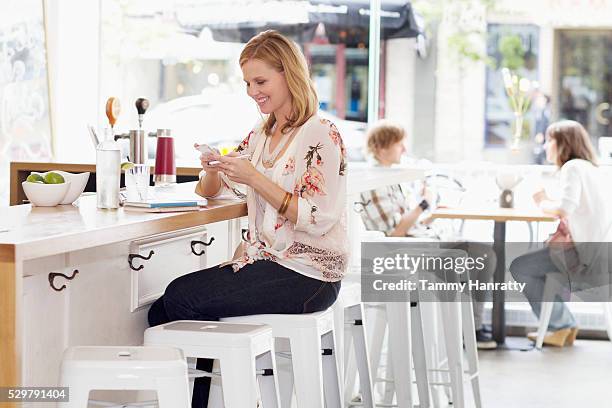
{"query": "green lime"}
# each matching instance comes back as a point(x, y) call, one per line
point(35, 178)
point(126, 165)
point(53, 178)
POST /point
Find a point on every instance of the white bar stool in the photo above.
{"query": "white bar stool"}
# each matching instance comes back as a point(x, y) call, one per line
point(351, 336)
point(430, 360)
point(398, 320)
point(457, 331)
point(313, 356)
point(243, 351)
point(162, 369)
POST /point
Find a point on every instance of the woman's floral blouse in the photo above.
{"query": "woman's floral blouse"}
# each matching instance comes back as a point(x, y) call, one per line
point(313, 168)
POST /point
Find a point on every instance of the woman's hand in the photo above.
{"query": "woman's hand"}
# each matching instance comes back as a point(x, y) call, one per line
point(540, 196)
point(236, 169)
point(207, 157)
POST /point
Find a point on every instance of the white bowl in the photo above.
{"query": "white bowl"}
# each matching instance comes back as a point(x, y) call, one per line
point(45, 195)
point(77, 181)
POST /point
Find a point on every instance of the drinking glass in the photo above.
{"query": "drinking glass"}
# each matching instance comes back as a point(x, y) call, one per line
point(137, 182)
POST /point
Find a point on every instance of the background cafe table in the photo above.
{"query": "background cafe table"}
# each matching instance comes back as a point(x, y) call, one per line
point(500, 216)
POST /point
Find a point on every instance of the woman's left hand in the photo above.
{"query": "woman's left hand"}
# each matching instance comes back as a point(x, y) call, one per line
point(540, 196)
point(236, 169)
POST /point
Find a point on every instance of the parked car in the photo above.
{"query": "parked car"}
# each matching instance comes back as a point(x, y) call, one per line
point(224, 121)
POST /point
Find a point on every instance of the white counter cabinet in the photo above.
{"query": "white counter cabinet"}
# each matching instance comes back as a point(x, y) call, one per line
point(107, 301)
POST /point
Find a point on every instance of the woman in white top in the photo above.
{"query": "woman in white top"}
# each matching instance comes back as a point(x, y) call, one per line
point(295, 177)
point(584, 217)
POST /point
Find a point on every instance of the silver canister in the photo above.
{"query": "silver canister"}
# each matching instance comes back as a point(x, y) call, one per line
point(138, 147)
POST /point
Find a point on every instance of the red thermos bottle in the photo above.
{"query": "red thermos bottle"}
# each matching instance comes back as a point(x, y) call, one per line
point(165, 167)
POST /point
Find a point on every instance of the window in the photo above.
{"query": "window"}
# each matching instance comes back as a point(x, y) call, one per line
point(183, 56)
point(584, 90)
point(498, 114)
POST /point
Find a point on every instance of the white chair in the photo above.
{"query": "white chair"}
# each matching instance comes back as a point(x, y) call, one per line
point(245, 353)
point(552, 286)
point(162, 369)
point(599, 284)
point(599, 275)
point(313, 356)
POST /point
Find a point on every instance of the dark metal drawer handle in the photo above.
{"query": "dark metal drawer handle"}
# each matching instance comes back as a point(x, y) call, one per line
point(54, 275)
point(132, 256)
point(194, 243)
point(245, 231)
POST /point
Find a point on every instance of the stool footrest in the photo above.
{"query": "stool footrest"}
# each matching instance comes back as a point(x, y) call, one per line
point(194, 373)
point(107, 404)
point(265, 372)
point(324, 352)
point(446, 370)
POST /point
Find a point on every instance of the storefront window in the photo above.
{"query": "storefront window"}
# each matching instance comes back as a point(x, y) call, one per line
point(183, 56)
point(585, 79)
point(498, 114)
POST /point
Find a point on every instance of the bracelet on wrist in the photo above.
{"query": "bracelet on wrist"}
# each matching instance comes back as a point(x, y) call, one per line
point(283, 208)
point(424, 204)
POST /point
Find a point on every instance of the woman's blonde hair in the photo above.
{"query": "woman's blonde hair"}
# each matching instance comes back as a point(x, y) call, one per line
point(573, 142)
point(382, 135)
point(285, 56)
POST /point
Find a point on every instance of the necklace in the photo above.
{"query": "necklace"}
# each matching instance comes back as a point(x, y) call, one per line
point(268, 159)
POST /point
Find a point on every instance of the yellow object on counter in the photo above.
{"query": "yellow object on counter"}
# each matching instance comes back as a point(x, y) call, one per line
point(226, 148)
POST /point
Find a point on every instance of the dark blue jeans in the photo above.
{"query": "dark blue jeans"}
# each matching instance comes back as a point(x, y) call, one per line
point(259, 288)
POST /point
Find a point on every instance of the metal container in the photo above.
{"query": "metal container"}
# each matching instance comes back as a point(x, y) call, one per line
point(165, 167)
point(138, 147)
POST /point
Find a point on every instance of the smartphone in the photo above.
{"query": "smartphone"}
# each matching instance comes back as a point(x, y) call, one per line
point(204, 148)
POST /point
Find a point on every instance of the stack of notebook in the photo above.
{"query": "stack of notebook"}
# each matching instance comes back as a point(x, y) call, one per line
point(158, 205)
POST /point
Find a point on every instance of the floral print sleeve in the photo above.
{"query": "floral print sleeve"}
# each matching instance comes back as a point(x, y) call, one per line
point(321, 179)
point(245, 146)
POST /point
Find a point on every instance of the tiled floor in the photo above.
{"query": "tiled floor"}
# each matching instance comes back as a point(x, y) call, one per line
point(576, 377)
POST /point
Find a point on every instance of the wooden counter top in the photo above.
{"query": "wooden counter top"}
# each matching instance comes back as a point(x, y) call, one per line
point(361, 177)
point(19, 171)
point(494, 214)
point(34, 232)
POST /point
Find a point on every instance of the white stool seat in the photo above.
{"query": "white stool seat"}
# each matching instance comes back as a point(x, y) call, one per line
point(125, 368)
point(313, 356)
point(283, 324)
point(241, 350)
point(203, 339)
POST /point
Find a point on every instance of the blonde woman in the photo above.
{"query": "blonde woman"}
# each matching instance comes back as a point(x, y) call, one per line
point(295, 177)
point(584, 214)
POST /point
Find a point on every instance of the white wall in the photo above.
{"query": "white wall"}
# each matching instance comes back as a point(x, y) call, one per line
point(399, 83)
point(73, 57)
point(459, 104)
